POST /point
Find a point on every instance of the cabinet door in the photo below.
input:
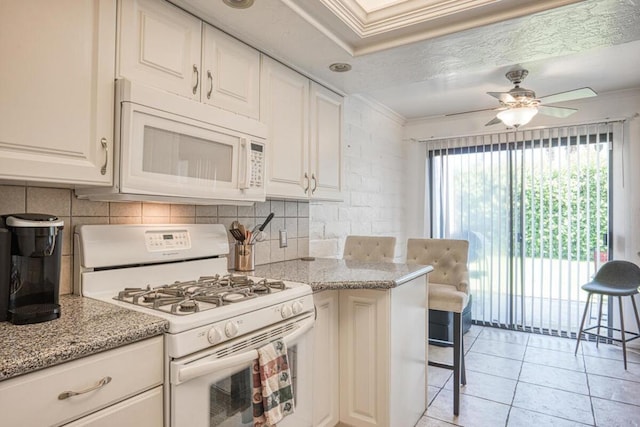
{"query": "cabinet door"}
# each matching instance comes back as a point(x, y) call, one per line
point(326, 144)
point(44, 398)
point(231, 73)
point(56, 107)
point(364, 357)
point(144, 410)
point(159, 45)
point(285, 109)
point(326, 391)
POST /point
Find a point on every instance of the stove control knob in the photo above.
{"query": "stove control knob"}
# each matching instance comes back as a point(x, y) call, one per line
point(214, 335)
point(296, 307)
point(285, 311)
point(231, 329)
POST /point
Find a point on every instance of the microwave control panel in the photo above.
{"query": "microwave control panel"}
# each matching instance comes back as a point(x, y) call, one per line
point(159, 241)
point(257, 165)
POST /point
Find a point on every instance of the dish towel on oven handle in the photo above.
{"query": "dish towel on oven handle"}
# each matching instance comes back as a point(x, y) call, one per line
point(272, 389)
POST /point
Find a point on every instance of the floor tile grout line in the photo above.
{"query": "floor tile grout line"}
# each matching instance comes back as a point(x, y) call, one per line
point(550, 415)
point(519, 381)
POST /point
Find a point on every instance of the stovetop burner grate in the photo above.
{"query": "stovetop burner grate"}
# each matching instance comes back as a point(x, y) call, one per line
point(205, 293)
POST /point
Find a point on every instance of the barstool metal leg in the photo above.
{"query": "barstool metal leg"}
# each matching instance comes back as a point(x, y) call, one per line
point(457, 333)
point(463, 372)
point(584, 317)
point(635, 309)
point(599, 320)
point(624, 342)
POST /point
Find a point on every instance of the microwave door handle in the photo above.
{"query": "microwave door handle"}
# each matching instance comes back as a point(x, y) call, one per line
point(246, 164)
point(186, 373)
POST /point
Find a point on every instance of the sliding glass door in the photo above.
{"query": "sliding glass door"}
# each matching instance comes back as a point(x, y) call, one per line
point(535, 208)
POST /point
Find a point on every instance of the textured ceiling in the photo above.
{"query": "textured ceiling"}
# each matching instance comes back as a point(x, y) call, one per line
point(592, 43)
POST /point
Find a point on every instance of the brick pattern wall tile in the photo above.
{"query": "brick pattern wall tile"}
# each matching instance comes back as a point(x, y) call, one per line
point(63, 203)
point(375, 184)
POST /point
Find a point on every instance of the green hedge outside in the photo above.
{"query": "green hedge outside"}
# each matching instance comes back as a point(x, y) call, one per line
point(565, 212)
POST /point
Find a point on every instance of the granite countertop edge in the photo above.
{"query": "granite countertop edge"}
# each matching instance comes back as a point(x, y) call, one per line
point(29, 348)
point(335, 274)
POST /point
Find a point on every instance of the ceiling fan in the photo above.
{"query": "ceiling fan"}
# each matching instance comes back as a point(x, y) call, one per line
point(519, 105)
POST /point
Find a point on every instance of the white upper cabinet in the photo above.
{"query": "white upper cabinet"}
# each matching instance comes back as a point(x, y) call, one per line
point(231, 78)
point(56, 106)
point(326, 144)
point(285, 109)
point(160, 45)
point(305, 127)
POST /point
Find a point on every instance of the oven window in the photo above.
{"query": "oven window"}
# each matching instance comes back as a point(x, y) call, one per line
point(230, 398)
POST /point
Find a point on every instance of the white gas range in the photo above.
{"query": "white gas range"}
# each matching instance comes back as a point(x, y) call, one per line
point(217, 320)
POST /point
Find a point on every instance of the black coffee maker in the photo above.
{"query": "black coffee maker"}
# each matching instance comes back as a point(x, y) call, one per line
point(30, 252)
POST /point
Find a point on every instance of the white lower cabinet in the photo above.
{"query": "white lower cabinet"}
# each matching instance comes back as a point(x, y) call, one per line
point(326, 391)
point(120, 387)
point(144, 410)
point(382, 356)
point(364, 357)
point(56, 107)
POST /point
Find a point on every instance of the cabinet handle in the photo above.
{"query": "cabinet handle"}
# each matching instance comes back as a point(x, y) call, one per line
point(105, 147)
point(306, 176)
point(210, 77)
point(315, 183)
point(67, 394)
point(197, 73)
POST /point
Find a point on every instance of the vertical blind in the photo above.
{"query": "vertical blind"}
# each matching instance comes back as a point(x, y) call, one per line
point(534, 205)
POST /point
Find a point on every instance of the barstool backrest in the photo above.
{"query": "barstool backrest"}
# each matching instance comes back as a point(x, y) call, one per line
point(370, 248)
point(619, 274)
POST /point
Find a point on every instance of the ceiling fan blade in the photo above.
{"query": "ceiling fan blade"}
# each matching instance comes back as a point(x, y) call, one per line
point(556, 111)
point(470, 111)
point(505, 97)
point(585, 92)
point(495, 121)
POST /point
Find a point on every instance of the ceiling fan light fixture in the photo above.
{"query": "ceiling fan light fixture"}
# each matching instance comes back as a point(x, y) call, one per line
point(515, 117)
point(239, 4)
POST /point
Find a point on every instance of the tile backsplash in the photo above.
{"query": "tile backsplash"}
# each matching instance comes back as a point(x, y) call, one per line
point(292, 216)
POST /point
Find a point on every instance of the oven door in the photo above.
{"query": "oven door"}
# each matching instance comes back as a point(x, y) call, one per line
point(213, 388)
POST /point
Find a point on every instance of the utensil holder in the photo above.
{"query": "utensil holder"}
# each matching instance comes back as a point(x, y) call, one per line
point(244, 257)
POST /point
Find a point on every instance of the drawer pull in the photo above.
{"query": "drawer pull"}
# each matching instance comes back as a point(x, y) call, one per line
point(67, 394)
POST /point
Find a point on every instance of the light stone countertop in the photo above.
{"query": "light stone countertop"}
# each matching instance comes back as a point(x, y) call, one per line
point(85, 327)
point(325, 273)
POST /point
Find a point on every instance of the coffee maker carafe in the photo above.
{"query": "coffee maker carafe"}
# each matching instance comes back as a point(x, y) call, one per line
point(34, 267)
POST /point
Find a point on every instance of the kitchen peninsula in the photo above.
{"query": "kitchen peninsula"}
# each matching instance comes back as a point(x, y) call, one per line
point(370, 339)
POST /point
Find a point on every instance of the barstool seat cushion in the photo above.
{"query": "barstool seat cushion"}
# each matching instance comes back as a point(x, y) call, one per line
point(447, 298)
point(606, 289)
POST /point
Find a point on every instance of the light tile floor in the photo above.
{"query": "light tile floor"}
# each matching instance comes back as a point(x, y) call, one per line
point(523, 379)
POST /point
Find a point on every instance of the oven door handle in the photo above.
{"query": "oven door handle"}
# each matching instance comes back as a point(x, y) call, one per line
point(185, 373)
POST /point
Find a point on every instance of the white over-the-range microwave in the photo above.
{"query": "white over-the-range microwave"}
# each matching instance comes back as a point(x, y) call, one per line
point(172, 149)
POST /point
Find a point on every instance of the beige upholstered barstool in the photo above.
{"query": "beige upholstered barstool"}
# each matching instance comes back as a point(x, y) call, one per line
point(370, 248)
point(448, 291)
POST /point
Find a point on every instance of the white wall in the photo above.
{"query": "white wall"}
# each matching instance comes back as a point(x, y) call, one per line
point(626, 172)
point(375, 182)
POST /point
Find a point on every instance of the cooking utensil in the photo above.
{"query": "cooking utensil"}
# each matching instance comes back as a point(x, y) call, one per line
point(266, 221)
point(242, 229)
point(237, 234)
point(260, 236)
point(258, 230)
